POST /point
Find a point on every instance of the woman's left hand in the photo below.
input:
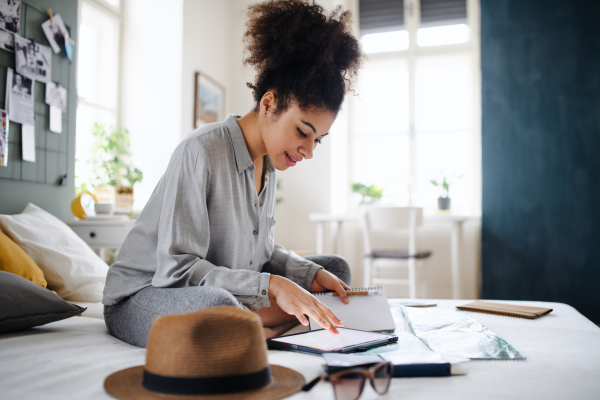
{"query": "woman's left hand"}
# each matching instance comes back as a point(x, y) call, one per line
point(325, 280)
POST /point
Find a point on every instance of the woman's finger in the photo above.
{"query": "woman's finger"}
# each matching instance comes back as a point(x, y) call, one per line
point(321, 319)
point(301, 317)
point(339, 289)
point(329, 314)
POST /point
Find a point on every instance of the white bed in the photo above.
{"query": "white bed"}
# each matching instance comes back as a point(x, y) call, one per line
point(69, 359)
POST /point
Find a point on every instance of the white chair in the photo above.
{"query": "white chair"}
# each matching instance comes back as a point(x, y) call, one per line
point(392, 221)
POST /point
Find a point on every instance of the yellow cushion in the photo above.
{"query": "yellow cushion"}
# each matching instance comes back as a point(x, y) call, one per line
point(14, 259)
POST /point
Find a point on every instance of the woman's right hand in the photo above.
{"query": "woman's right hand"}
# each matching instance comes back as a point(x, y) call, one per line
point(294, 300)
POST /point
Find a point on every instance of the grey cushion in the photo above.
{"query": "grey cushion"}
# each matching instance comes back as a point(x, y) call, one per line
point(23, 304)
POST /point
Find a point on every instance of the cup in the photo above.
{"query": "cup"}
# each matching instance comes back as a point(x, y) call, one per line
point(104, 208)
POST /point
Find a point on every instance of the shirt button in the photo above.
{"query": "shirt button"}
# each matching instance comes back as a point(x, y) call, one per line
point(255, 232)
point(264, 292)
point(260, 204)
point(250, 262)
point(266, 179)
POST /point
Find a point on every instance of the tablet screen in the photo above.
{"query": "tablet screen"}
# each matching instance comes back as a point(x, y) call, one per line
point(325, 341)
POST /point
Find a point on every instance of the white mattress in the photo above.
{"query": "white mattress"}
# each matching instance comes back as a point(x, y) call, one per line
point(70, 359)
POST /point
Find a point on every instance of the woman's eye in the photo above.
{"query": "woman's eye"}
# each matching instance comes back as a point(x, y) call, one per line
point(304, 135)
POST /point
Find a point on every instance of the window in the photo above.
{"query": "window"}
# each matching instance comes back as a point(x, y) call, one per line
point(97, 75)
point(417, 112)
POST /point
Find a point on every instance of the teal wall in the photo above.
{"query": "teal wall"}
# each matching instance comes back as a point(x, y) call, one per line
point(22, 181)
point(540, 64)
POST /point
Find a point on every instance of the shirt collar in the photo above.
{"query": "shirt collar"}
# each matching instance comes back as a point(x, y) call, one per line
point(240, 150)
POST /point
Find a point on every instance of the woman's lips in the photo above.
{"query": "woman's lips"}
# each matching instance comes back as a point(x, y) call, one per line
point(289, 161)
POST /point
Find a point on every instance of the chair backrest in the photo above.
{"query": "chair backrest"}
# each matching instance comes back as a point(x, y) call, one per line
point(391, 219)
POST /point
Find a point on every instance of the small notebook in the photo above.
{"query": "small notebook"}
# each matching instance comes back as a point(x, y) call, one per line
point(512, 310)
point(365, 313)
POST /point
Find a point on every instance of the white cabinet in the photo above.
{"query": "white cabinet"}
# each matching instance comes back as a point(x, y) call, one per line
point(100, 234)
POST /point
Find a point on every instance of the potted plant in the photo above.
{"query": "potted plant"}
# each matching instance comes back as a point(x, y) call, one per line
point(370, 194)
point(443, 184)
point(110, 160)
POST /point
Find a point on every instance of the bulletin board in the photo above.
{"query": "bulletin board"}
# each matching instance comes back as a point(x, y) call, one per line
point(39, 182)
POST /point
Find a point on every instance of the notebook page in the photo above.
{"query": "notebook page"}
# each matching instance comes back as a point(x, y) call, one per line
point(366, 313)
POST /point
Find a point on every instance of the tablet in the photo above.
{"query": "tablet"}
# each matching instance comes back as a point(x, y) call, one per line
point(322, 341)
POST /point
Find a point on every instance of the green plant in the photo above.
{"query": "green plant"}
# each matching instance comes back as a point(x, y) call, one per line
point(80, 186)
point(442, 182)
point(110, 158)
point(368, 193)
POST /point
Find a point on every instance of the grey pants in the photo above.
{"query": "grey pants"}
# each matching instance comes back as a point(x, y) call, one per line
point(132, 318)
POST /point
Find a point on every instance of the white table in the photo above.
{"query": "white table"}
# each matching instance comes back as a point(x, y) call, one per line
point(456, 238)
point(101, 234)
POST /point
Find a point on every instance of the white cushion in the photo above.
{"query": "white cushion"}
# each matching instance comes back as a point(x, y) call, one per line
point(70, 266)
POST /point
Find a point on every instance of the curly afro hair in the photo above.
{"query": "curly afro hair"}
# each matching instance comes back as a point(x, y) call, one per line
point(301, 54)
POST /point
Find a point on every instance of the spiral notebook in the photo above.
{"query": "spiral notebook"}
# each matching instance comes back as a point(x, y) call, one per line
point(366, 313)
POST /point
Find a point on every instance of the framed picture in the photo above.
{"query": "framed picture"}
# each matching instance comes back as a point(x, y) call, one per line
point(209, 100)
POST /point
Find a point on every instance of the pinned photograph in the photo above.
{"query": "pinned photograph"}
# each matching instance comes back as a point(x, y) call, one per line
point(56, 96)
point(10, 15)
point(208, 102)
point(33, 59)
point(19, 99)
point(7, 40)
point(21, 84)
point(56, 32)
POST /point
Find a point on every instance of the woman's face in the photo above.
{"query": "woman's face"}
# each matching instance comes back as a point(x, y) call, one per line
point(294, 134)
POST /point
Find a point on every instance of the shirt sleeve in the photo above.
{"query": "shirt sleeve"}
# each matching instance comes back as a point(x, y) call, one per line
point(290, 265)
point(184, 234)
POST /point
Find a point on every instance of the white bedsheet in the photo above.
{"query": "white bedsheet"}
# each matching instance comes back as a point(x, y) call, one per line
point(70, 359)
point(94, 310)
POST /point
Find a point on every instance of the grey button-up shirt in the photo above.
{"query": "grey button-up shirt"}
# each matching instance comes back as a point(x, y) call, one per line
point(204, 225)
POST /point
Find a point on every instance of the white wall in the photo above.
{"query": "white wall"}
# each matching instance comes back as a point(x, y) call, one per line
point(159, 65)
point(207, 48)
point(151, 86)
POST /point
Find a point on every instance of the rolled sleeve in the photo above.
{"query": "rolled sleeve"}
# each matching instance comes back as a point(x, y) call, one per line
point(261, 298)
point(294, 267)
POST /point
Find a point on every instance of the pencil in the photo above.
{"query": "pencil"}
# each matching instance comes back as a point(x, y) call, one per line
point(357, 293)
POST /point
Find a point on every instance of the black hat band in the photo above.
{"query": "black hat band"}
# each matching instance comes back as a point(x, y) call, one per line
point(207, 386)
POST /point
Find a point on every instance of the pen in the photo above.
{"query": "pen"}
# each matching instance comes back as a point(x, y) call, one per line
point(357, 293)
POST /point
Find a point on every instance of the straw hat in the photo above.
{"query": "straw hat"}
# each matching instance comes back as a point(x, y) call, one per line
point(216, 353)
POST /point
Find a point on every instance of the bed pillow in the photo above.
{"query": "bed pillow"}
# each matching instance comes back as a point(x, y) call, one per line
point(13, 259)
point(23, 304)
point(70, 266)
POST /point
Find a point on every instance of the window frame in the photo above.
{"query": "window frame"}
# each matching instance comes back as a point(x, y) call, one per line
point(412, 19)
point(116, 14)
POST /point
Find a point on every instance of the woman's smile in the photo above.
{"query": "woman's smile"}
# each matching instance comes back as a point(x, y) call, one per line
point(291, 161)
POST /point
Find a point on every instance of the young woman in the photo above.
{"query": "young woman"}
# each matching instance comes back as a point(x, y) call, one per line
point(205, 238)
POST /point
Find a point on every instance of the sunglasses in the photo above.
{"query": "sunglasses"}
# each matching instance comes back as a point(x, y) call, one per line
point(349, 385)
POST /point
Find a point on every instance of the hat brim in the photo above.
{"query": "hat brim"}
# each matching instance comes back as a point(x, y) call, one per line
point(127, 385)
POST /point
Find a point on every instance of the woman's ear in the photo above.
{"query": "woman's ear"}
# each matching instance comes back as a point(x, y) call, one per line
point(268, 104)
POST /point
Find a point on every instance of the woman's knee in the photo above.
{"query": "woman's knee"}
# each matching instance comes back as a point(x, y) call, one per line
point(221, 297)
point(342, 269)
point(335, 264)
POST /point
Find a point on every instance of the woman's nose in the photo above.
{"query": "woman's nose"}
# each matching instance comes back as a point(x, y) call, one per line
point(307, 152)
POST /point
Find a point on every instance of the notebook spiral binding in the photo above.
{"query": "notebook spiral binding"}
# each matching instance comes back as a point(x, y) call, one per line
point(357, 289)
